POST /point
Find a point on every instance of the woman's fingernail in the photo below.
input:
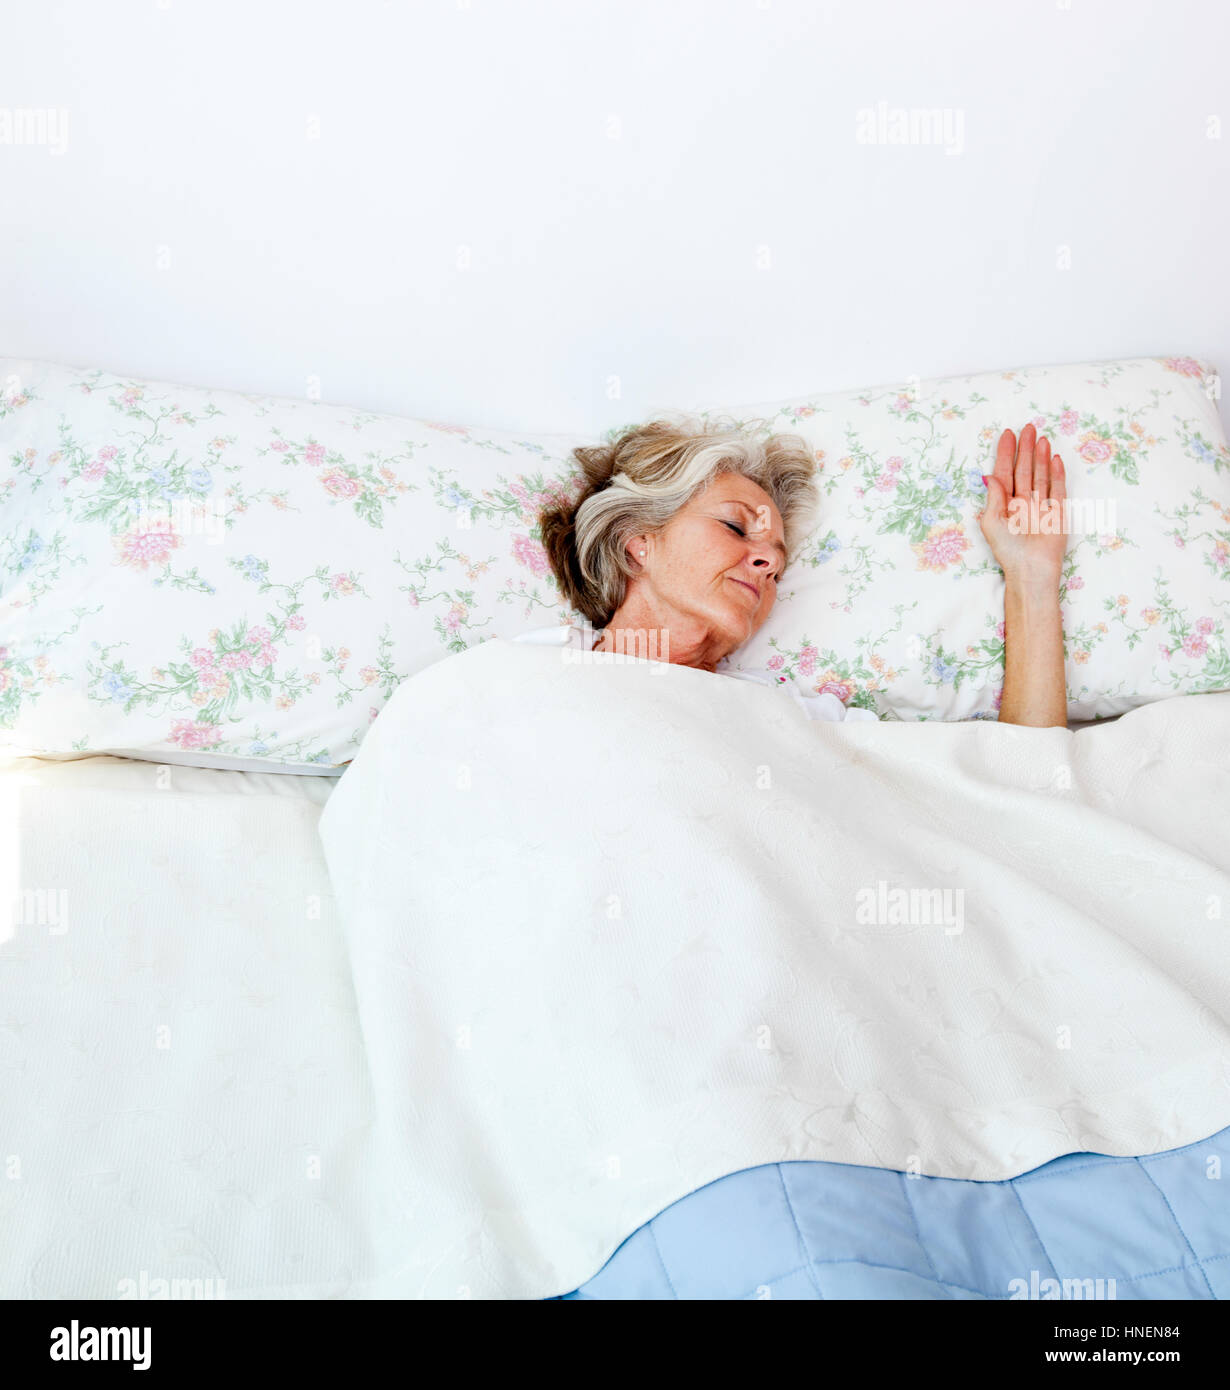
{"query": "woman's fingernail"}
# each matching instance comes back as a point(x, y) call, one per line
point(985, 476)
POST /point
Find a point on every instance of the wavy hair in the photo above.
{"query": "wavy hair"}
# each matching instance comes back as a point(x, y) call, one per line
point(636, 482)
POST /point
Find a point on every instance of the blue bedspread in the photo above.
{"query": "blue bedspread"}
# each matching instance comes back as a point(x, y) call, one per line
point(1159, 1227)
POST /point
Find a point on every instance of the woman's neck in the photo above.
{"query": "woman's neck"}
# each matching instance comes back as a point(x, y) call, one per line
point(680, 639)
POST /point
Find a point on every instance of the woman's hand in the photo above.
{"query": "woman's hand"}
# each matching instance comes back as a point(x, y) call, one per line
point(1012, 519)
point(1024, 495)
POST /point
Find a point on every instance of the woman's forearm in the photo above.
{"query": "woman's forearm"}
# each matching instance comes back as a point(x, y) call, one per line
point(1034, 688)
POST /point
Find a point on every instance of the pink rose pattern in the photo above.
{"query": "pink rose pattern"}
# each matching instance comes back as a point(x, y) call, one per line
point(106, 481)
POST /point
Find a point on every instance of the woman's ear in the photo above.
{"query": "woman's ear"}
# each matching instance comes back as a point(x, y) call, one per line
point(638, 549)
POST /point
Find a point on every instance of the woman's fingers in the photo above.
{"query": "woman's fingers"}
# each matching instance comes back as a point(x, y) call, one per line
point(1025, 461)
point(1005, 454)
point(1059, 482)
point(1042, 468)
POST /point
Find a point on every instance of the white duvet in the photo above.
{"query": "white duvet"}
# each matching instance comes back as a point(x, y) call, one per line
point(617, 929)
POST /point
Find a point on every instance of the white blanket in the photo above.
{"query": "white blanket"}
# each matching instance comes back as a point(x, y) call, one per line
point(619, 928)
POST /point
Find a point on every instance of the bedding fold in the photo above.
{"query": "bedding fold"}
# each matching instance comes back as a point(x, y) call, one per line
point(618, 929)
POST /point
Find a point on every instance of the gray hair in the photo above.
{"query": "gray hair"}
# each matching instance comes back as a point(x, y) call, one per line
point(636, 482)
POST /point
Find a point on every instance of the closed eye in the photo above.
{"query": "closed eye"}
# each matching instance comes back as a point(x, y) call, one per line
point(739, 531)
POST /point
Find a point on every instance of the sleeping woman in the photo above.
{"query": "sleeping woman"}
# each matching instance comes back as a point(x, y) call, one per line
point(679, 537)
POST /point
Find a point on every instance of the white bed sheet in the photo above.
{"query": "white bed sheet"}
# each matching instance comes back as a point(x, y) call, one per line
point(183, 1086)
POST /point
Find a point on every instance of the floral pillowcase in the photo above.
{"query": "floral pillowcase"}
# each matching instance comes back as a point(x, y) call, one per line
point(236, 580)
point(243, 581)
point(895, 602)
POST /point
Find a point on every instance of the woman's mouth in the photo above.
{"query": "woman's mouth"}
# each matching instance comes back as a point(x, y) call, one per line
point(751, 588)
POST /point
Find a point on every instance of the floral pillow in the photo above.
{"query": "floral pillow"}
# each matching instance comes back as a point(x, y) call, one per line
point(895, 602)
point(243, 581)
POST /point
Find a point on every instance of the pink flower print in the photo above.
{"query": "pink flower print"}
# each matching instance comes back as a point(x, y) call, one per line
point(268, 654)
point(369, 675)
point(832, 684)
point(413, 599)
point(131, 396)
point(455, 616)
point(284, 702)
point(314, 678)
point(1165, 651)
point(257, 635)
point(1076, 582)
point(1150, 615)
point(1068, 422)
point(894, 464)
point(314, 454)
point(343, 654)
point(201, 658)
point(1185, 366)
point(1194, 645)
point(1080, 656)
point(341, 484)
point(1205, 625)
point(1180, 542)
point(519, 491)
point(1039, 422)
point(188, 733)
point(530, 553)
point(901, 405)
point(146, 543)
point(296, 621)
point(388, 475)
point(372, 713)
point(447, 429)
point(999, 629)
point(804, 412)
point(807, 660)
point(236, 661)
point(1221, 554)
point(279, 446)
point(217, 443)
point(342, 584)
point(944, 545)
point(999, 697)
point(886, 482)
point(92, 471)
point(1094, 449)
point(107, 453)
point(775, 663)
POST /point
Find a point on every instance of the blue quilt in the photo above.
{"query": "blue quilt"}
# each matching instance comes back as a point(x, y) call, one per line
point(1159, 1227)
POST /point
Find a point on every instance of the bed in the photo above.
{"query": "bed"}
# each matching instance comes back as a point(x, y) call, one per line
point(358, 952)
point(188, 1095)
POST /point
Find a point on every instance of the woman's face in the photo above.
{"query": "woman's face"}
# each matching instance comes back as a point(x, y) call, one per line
point(712, 571)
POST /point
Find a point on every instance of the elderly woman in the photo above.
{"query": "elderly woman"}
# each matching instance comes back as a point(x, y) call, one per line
point(683, 533)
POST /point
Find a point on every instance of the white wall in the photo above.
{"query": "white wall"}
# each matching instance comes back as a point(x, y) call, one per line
point(614, 168)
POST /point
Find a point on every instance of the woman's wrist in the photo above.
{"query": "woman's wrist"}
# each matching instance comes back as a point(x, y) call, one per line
point(1032, 587)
